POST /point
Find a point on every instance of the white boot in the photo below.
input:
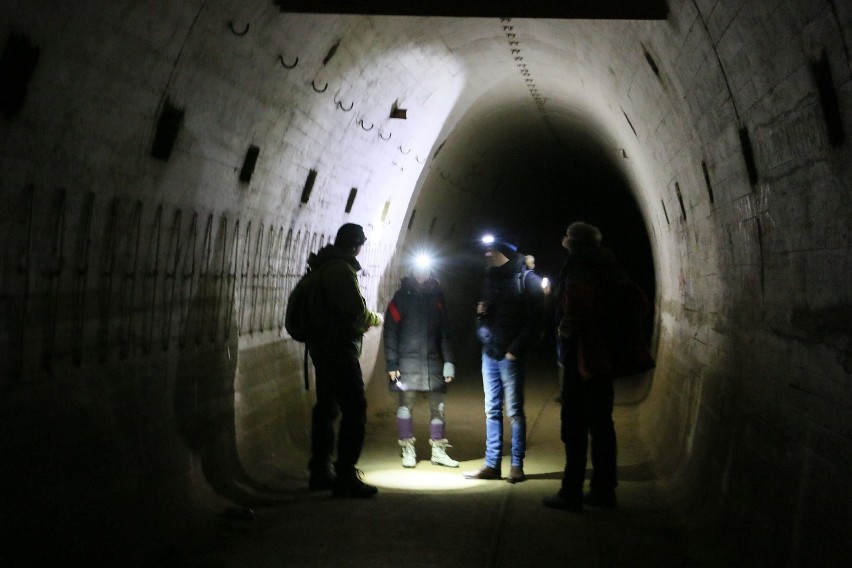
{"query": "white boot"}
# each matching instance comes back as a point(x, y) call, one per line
point(439, 453)
point(409, 456)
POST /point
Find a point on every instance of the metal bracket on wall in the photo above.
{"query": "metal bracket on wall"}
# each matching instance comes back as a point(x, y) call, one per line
point(235, 32)
point(344, 109)
point(281, 59)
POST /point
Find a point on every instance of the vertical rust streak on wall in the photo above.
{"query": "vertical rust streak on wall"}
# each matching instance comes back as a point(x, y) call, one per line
point(204, 275)
point(151, 276)
point(232, 278)
point(170, 277)
point(107, 268)
point(18, 363)
point(81, 272)
point(278, 308)
point(128, 298)
point(187, 282)
point(54, 274)
point(222, 276)
point(245, 265)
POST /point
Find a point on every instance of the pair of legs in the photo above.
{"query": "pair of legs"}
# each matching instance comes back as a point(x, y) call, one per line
point(405, 411)
point(340, 392)
point(437, 439)
point(503, 382)
point(587, 413)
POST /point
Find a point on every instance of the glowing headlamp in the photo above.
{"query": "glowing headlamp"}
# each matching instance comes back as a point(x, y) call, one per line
point(423, 261)
point(488, 239)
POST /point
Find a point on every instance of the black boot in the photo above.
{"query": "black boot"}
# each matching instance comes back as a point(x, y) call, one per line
point(349, 484)
point(322, 476)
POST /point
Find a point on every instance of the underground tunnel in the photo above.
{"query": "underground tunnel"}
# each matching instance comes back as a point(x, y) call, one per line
point(167, 169)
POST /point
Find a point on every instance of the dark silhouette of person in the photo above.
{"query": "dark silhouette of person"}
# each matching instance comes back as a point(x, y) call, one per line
point(585, 288)
point(339, 318)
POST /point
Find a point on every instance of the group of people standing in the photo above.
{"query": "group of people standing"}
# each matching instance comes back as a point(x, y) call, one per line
point(419, 358)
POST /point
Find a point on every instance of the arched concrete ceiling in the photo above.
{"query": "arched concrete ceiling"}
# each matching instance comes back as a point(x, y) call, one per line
point(728, 123)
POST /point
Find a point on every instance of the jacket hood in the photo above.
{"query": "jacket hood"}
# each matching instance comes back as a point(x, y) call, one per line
point(331, 252)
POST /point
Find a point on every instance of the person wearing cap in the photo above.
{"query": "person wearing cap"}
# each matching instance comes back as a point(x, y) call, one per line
point(340, 317)
point(419, 359)
point(509, 320)
point(589, 326)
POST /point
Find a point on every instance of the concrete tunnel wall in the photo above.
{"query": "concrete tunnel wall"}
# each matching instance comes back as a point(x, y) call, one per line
point(145, 373)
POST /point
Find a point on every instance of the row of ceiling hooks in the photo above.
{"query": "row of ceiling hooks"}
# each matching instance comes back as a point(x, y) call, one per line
point(395, 111)
point(515, 50)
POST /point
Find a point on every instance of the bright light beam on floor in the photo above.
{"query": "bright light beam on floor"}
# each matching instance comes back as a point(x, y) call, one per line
point(422, 478)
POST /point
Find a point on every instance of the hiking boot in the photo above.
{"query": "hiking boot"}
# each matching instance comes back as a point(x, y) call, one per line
point(439, 453)
point(560, 501)
point(351, 486)
point(516, 474)
point(485, 472)
point(604, 499)
point(321, 478)
point(409, 455)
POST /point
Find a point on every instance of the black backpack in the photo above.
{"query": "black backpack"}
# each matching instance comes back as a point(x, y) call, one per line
point(629, 307)
point(297, 314)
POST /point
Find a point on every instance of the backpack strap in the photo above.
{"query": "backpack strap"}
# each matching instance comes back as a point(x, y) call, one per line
point(522, 280)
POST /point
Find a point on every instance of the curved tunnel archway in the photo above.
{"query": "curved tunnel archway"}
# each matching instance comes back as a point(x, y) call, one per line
point(138, 231)
point(513, 171)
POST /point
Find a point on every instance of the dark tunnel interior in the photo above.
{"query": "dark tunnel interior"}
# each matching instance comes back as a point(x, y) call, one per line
point(529, 184)
point(167, 168)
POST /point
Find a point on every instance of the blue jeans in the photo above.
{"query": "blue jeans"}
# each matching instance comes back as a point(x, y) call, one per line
point(503, 382)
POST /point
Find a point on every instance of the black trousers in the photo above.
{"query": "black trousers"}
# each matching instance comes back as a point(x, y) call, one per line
point(340, 392)
point(587, 413)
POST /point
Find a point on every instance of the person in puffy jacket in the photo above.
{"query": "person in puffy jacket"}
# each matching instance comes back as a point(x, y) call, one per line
point(419, 359)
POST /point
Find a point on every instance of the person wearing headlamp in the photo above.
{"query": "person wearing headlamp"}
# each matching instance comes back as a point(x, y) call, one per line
point(509, 320)
point(419, 358)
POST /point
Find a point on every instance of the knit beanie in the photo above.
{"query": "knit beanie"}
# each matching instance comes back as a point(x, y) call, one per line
point(350, 235)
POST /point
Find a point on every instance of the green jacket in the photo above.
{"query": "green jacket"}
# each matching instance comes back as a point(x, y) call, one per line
point(340, 309)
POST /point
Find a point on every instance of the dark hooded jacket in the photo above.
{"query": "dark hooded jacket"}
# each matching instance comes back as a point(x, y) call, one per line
point(514, 308)
point(416, 335)
point(339, 309)
point(597, 306)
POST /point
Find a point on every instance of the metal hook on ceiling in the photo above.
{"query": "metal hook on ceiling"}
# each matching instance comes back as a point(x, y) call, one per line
point(417, 159)
point(383, 138)
point(361, 122)
point(314, 85)
point(235, 32)
point(281, 59)
point(341, 107)
point(404, 152)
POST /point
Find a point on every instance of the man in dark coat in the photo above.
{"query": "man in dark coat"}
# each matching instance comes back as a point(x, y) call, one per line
point(509, 316)
point(339, 317)
point(584, 351)
point(419, 359)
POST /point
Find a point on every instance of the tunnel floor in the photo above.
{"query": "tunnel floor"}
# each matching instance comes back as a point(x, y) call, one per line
point(432, 516)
